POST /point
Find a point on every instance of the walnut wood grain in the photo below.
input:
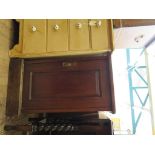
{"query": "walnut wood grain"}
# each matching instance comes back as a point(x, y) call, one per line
point(82, 87)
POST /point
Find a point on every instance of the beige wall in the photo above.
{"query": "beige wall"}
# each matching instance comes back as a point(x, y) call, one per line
point(5, 41)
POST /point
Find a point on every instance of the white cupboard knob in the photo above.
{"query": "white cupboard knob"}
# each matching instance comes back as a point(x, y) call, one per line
point(78, 25)
point(56, 27)
point(34, 28)
point(99, 23)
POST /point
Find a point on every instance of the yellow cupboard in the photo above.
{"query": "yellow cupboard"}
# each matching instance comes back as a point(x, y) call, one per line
point(60, 37)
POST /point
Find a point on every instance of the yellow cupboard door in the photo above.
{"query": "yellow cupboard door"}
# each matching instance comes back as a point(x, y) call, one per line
point(100, 34)
point(79, 34)
point(34, 36)
point(57, 39)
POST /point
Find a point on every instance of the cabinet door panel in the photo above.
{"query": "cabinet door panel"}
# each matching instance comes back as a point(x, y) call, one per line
point(100, 38)
point(79, 34)
point(70, 84)
point(57, 39)
point(34, 36)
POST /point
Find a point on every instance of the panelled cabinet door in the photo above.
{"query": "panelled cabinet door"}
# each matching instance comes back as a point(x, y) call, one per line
point(99, 34)
point(34, 36)
point(79, 35)
point(57, 35)
point(70, 84)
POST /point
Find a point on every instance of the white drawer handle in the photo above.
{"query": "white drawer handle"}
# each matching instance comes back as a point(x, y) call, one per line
point(97, 23)
point(69, 64)
point(56, 27)
point(78, 25)
point(34, 29)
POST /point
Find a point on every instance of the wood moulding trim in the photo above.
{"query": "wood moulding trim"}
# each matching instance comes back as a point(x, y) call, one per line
point(54, 54)
point(118, 23)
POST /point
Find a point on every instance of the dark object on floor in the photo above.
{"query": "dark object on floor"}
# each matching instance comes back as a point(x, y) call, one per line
point(69, 124)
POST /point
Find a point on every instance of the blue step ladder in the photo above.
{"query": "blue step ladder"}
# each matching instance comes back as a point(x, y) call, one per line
point(135, 68)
